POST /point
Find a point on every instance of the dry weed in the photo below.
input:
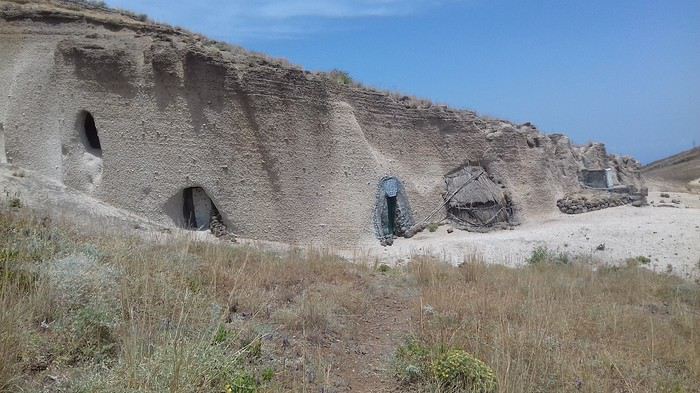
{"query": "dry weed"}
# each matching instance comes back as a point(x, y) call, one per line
point(564, 327)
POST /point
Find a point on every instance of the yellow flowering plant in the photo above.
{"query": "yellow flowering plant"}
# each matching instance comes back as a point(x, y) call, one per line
point(456, 369)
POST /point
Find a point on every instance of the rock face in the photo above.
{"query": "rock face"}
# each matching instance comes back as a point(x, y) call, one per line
point(283, 154)
point(626, 169)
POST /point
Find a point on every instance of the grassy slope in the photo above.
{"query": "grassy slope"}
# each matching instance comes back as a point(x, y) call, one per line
point(107, 313)
point(679, 168)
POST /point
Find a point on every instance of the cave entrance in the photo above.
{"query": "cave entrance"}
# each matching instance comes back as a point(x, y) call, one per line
point(89, 136)
point(392, 213)
point(82, 154)
point(3, 154)
point(198, 209)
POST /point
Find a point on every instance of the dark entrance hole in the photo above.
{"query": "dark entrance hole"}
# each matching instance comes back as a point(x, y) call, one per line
point(392, 213)
point(198, 209)
point(92, 140)
point(391, 210)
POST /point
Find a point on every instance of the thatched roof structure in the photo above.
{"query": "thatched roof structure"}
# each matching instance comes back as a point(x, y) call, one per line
point(470, 186)
point(474, 201)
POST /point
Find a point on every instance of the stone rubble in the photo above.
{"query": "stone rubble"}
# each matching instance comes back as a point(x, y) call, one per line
point(582, 202)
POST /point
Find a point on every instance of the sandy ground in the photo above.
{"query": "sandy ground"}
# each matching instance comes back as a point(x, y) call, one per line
point(668, 235)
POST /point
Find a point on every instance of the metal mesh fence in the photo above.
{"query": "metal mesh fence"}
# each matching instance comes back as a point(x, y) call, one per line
point(392, 212)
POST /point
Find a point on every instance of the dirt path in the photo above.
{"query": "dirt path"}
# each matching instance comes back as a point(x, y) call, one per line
point(363, 362)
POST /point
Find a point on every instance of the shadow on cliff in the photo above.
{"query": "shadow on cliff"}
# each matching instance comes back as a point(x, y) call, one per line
point(205, 87)
point(113, 69)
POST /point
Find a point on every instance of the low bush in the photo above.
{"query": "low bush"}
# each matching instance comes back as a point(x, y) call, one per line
point(340, 77)
point(412, 363)
point(539, 255)
point(460, 371)
point(437, 368)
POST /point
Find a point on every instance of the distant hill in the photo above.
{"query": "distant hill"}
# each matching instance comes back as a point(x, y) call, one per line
point(674, 172)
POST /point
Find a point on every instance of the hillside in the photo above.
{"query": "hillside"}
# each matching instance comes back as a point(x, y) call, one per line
point(678, 172)
point(163, 122)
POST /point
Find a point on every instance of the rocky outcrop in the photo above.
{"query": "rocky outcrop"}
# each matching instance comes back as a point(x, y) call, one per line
point(627, 169)
point(285, 154)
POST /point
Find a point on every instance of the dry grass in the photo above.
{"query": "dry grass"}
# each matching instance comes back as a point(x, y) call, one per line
point(554, 327)
point(172, 315)
point(115, 313)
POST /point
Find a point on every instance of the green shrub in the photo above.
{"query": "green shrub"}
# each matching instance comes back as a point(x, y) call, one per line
point(95, 339)
point(410, 362)
point(458, 370)
point(643, 260)
point(542, 255)
point(242, 383)
point(539, 255)
point(222, 335)
point(15, 203)
point(636, 261)
point(341, 77)
point(433, 226)
point(268, 374)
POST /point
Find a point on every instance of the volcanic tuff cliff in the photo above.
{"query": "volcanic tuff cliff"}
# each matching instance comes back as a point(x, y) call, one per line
point(285, 154)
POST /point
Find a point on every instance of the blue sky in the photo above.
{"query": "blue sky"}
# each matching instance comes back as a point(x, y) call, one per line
point(626, 73)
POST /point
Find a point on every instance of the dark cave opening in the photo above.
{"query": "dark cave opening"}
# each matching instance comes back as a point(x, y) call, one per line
point(392, 213)
point(198, 209)
point(90, 133)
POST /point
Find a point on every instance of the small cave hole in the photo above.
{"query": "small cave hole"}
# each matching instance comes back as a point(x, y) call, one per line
point(92, 140)
point(198, 209)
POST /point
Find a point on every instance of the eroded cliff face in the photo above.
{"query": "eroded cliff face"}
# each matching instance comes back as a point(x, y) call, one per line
point(284, 154)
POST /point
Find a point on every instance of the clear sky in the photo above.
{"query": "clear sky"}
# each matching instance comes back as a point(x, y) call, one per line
point(622, 72)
